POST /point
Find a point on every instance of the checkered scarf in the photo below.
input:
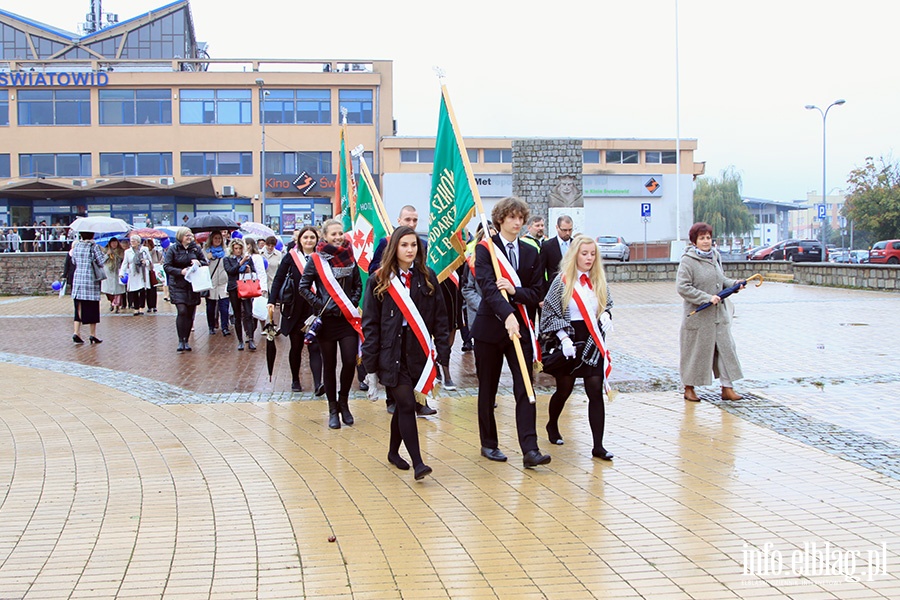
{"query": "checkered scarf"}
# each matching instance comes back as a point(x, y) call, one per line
point(339, 257)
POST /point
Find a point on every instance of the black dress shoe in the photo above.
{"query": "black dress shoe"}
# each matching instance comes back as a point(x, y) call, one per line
point(421, 471)
point(423, 410)
point(534, 458)
point(95, 340)
point(602, 454)
point(296, 387)
point(320, 390)
point(363, 386)
point(397, 460)
point(493, 454)
point(187, 348)
point(391, 407)
point(77, 339)
point(180, 347)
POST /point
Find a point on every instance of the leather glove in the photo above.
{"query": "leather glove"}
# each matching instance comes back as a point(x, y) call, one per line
point(372, 382)
point(606, 325)
point(568, 348)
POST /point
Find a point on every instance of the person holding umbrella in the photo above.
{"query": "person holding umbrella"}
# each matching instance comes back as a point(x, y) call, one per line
point(332, 271)
point(217, 301)
point(181, 257)
point(706, 342)
point(403, 308)
point(295, 310)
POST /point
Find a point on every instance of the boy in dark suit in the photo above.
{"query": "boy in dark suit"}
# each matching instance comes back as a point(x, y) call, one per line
point(498, 320)
point(554, 249)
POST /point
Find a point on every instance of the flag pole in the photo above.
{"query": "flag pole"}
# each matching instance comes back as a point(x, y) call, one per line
point(376, 197)
point(517, 344)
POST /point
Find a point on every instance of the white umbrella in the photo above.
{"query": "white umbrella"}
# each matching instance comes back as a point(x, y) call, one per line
point(258, 229)
point(99, 225)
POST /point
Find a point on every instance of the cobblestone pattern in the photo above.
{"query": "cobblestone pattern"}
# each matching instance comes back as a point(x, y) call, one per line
point(537, 164)
point(857, 447)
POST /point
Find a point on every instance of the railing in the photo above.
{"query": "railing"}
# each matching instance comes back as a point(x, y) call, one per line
point(48, 238)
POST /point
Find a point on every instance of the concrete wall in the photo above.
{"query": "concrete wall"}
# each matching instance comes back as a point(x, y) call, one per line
point(27, 273)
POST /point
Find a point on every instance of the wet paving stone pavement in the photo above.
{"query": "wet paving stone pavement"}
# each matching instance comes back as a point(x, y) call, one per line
point(128, 470)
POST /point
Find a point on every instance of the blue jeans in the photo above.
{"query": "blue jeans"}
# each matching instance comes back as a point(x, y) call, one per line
point(221, 306)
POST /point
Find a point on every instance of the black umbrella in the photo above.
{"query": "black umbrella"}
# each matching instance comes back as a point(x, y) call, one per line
point(210, 223)
point(729, 291)
point(270, 332)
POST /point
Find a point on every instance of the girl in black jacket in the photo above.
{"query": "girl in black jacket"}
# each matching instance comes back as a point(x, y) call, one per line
point(391, 348)
point(335, 330)
point(236, 264)
point(181, 257)
point(295, 311)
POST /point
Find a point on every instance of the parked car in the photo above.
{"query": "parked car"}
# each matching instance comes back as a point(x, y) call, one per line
point(773, 252)
point(753, 251)
point(804, 251)
point(841, 256)
point(613, 247)
point(885, 251)
point(859, 256)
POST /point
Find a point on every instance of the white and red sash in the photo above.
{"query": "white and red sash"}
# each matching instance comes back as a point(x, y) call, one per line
point(300, 261)
point(337, 293)
point(590, 321)
point(402, 298)
point(507, 272)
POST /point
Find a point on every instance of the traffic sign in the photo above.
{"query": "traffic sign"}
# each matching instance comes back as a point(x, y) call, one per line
point(820, 209)
point(645, 209)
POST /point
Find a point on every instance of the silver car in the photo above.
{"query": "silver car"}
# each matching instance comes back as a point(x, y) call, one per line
point(613, 247)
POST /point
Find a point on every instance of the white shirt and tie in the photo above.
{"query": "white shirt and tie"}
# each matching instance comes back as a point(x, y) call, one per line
point(512, 251)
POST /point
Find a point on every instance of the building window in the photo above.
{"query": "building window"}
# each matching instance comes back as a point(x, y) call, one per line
point(420, 155)
point(358, 104)
point(4, 165)
point(314, 107)
point(590, 156)
point(658, 158)
point(292, 163)
point(135, 107)
point(4, 107)
point(497, 156)
point(54, 107)
point(314, 162)
point(215, 107)
point(621, 157)
point(216, 163)
point(135, 164)
point(473, 154)
point(54, 165)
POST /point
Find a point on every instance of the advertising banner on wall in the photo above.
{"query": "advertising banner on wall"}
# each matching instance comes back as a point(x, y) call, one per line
point(622, 186)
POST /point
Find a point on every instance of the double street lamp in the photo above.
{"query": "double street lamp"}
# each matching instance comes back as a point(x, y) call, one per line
point(824, 114)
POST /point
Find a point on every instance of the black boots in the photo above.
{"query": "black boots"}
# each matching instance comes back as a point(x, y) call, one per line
point(334, 422)
point(344, 406)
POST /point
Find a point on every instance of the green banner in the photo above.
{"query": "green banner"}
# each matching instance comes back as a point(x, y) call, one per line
point(344, 187)
point(452, 201)
point(367, 230)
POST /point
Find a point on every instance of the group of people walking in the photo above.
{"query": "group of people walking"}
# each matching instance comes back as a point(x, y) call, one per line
point(514, 287)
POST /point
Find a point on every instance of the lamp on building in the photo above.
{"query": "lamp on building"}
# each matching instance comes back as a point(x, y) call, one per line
point(262, 168)
point(824, 114)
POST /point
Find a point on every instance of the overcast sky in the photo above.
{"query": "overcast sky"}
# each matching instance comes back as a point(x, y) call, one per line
point(601, 69)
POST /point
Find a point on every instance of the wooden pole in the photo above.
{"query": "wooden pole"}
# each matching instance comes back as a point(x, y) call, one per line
point(517, 344)
point(376, 197)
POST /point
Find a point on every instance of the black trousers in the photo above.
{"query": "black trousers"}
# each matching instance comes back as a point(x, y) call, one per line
point(136, 299)
point(489, 365)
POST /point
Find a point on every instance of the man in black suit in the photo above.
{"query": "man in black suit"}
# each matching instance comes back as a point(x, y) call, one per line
point(497, 321)
point(554, 249)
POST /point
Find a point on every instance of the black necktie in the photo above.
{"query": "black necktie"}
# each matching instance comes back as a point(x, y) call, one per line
point(511, 250)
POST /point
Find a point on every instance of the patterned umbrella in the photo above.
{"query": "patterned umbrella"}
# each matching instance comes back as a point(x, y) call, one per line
point(148, 233)
point(258, 229)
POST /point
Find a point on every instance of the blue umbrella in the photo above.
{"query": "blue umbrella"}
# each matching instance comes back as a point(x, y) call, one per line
point(729, 291)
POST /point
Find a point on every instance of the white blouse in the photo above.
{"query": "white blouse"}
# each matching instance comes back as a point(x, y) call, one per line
point(591, 300)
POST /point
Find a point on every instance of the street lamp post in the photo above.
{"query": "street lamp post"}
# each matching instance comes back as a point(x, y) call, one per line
point(262, 168)
point(824, 114)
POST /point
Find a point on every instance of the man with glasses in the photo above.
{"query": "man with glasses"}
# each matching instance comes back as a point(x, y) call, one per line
point(555, 248)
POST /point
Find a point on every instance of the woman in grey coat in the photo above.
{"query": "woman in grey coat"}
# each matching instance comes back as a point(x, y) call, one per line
point(706, 342)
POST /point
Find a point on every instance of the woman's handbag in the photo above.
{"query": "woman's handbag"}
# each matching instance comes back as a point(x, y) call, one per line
point(153, 280)
point(98, 270)
point(552, 357)
point(249, 287)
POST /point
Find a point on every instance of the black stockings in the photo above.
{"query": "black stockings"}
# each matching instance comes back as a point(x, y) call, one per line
point(593, 387)
point(184, 320)
point(349, 346)
point(314, 354)
point(403, 423)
